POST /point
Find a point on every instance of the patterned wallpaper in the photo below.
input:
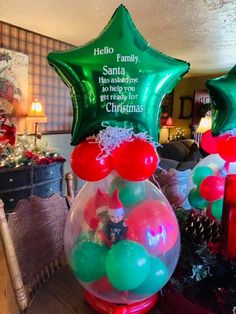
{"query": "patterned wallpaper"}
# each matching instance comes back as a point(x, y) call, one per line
point(43, 81)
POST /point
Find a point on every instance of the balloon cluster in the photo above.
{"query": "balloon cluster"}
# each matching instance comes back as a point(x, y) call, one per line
point(122, 239)
point(210, 178)
point(131, 155)
point(121, 235)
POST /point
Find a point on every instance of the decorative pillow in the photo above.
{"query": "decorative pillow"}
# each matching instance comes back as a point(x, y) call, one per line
point(176, 185)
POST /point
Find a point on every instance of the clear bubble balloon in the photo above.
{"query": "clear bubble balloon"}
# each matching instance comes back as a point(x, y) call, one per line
point(121, 252)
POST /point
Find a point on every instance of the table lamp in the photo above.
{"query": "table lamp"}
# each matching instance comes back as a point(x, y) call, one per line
point(37, 114)
point(204, 125)
point(169, 125)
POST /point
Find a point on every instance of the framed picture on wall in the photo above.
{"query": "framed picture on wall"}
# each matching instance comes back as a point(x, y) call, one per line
point(14, 84)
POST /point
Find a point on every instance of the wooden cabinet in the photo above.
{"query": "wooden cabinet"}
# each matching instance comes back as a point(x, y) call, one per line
point(22, 182)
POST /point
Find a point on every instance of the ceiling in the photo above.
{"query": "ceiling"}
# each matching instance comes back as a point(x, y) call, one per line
point(202, 32)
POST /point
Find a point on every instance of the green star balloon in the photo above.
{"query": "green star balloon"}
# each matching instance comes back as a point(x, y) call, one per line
point(223, 95)
point(117, 79)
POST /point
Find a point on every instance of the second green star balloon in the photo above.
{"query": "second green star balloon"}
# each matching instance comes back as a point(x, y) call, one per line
point(223, 95)
point(117, 79)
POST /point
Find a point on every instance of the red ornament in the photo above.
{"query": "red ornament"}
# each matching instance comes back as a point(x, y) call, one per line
point(88, 163)
point(227, 147)
point(136, 160)
point(209, 142)
point(212, 188)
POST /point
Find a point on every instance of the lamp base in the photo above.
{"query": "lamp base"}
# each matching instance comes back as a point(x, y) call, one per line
point(104, 307)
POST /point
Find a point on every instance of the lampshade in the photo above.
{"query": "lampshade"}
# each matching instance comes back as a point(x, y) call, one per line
point(169, 123)
point(205, 124)
point(36, 110)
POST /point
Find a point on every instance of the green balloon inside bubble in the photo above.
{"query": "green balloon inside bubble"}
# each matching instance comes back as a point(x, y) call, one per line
point(156, 279)
point(217, 209)
point(130, 193)
point(200, 173)
point(88, 260)
point(127, 265)
point(196, 200)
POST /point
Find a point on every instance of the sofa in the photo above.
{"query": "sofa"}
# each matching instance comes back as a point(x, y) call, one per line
point(180, 155)
point(174, 173)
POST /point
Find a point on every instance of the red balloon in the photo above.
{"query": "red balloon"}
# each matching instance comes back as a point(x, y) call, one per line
point(104, 307)
point(154, 226)
point(102, 285)
point(209, 143)
point(136, 160)
point(212, 188)
point(227, 147)
point(87, 161)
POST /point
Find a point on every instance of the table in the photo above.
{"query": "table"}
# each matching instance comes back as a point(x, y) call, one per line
point(22, 182)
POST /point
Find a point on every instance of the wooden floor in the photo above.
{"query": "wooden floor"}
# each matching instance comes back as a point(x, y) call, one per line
point(7, 299)
point(62, 294)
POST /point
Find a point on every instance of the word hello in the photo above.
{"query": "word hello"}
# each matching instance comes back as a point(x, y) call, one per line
point(103, 51)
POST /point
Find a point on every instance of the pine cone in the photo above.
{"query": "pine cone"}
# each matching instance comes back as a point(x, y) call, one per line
point(201, 228)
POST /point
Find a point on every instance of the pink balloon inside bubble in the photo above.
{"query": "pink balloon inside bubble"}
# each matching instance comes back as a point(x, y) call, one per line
point(209, 142)
point(212, 188)
point(153, 224)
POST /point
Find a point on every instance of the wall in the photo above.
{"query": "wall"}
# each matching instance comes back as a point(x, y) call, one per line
point(186, 87)
point(62, 143)
point(43, 82)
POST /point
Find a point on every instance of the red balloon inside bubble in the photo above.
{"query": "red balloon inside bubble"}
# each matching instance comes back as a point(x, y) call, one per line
point(153, 225)
point(136, 160)
point(102, 285)
point(212, 188)
point(209, 142)
point(88, 163)
point(227, 147)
